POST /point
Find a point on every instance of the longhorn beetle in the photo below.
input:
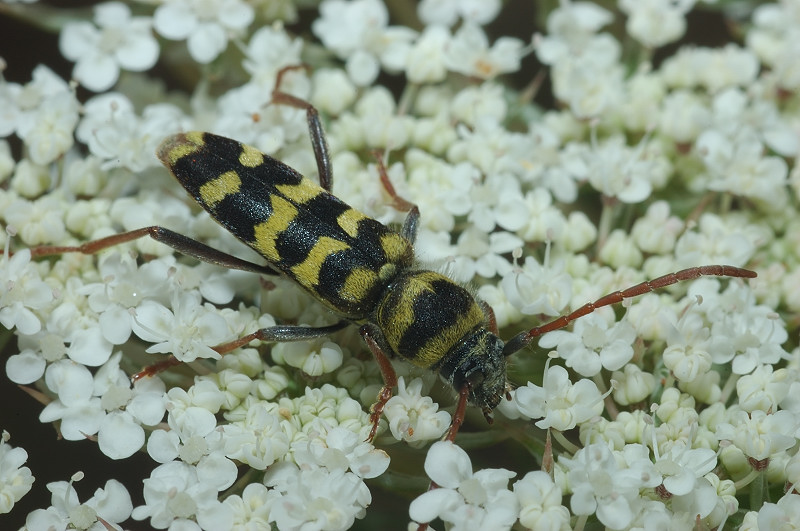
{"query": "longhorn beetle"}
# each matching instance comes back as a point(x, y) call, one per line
point(360, 269)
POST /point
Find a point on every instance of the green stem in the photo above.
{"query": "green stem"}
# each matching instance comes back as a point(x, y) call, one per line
point(730, 385)
point(606, 218)
point(565, 443)
point(580, 523)
point(745, 481)
point(757, 490)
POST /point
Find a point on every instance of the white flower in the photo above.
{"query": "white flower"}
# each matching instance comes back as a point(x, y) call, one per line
point(39, 221)
point(480, 253)
point(195, 439)
point(715, 69)
point(469, 53)
point(187, 333)
point(412, 417)
point(271, 48)
point(80, 412)
point(602, 485)
point(447, 12)
point(593, 345)
point(174, 495)
point(480, 106)
point(316, 498)
point(75, 324)
point(560, 404)
point(541, 220)
point(31, 180)
point(655, 23)
point(741, 330)
point(774, 40)
point(758, 434)
point(332, 405)
point(618, 170)
point(682, 472)
point(50, 132)
point(120, 434)
point(783, 514)
point(121, 41)
point(632, 385)
point(339, 448)
point(258, 439)
point(21, 292)
point(333, 91)
point(687, 355)
point(464, 500)
point(19, 104)
point(586, 71)
point(356, 31)
point(735, 110)
point(763, 389)
point(380, 124)
point(713, 241)
point(252, 509)
point(737, 164)
point(619, 251)
point(426, 58)
point(442, 189)
point(207, 25)
point(103, 404)
point(657, 231)
point(538, 288)
point(35, 353)
point(112, 504)
point(683, 115)
point(573, 21)
point(540, 502)
point(315, 358)
point(115, 134)
point(644, 93)
point(204, 394)
point(15, 480)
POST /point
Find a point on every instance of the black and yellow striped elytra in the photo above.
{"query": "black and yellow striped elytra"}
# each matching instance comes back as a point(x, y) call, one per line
point(356, 266)
point(339, 255)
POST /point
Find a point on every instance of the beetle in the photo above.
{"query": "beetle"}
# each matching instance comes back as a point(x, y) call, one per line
point(363, 271)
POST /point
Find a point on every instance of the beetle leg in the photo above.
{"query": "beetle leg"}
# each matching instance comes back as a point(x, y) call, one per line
point(409, 230)
point(373, 337)
point(315, 131)
point(179, 242)
point(272, 334)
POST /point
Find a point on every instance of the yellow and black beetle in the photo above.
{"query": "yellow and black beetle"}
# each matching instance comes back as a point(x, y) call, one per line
point(360, 269)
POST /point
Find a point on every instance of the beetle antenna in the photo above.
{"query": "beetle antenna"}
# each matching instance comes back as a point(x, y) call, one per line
point(522, 340)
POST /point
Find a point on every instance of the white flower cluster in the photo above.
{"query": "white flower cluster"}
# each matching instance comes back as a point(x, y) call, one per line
point(15, 479)
point(677, 411)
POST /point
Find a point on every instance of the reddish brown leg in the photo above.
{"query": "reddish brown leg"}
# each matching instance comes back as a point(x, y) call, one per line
point(179, 242)
point(409, 230)
point(398, 202)
point(458, 415)
point(520, 341)
point(370, 332)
